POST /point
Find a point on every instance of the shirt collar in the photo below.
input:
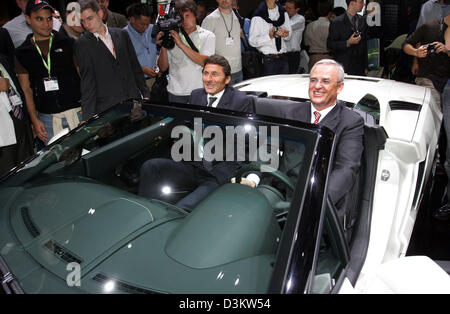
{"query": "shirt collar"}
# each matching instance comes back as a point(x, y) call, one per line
point(323, 112)
point(218, 95)
point(97, 35)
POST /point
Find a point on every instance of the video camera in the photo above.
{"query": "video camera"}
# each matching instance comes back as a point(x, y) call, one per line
point(167, 21)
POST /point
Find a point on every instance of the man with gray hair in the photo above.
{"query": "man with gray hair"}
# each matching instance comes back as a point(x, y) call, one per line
point(325, 83)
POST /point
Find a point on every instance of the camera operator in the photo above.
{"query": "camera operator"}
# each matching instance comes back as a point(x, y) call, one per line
point(184, 63)
point(434, 62)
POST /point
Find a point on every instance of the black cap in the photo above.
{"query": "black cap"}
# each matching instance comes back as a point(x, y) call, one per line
point(36, 5)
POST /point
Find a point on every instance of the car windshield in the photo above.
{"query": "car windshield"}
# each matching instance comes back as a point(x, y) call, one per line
point(78, 220)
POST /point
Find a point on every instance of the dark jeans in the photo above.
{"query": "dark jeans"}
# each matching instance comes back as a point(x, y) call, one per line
point(181, 177)
point(275, 65)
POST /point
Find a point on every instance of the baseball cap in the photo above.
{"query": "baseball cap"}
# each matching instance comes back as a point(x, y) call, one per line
point(36, 5)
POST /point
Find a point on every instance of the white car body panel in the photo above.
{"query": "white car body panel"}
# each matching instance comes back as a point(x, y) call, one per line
point(412, 139)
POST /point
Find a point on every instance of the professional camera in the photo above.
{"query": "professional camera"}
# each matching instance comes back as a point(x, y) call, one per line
point(167, 21)
point(431, 50)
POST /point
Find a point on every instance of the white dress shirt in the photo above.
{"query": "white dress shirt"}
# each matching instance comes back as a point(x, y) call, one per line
point(298, 26)
point(218, 96)
point(259, 33)
point(107, 40)
point(323, 113)
point(184, 74)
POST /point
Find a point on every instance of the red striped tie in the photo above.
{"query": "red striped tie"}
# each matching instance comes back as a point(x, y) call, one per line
point(317, 115)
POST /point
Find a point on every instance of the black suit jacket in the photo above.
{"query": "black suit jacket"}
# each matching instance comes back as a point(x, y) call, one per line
point(232, 99)
point(6, 45)
point(348, 127)
point(105, 80)
point(353, 58)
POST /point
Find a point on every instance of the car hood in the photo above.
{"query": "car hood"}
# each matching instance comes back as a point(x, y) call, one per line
point(141, 246)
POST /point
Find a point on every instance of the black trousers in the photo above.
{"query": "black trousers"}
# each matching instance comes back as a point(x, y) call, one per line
point(294, 61)
point(187, 182)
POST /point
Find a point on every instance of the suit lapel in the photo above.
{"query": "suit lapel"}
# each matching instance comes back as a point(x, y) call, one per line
point(102, 46)
point(116, 41)
point(225, 100)
point(331, 120)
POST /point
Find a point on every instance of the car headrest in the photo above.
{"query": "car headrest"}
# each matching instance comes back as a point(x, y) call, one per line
point(273, 107)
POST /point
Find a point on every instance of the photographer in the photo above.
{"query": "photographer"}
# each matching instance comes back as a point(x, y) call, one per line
point(185, 73)
point(434, 62)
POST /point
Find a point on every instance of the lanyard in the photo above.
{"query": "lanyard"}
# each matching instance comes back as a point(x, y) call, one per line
point(226, 26)
point(198, 40)
point(3, 74)
point(47, 64)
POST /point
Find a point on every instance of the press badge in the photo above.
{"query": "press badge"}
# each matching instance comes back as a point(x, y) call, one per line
point(51, 84)
point(15, 100)
point(229, 41)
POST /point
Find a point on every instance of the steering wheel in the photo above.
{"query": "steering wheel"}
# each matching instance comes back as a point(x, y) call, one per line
point(266, 169)
point(275, 197)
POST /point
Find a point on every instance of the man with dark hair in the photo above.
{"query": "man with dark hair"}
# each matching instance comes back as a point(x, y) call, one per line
point(270, 30)
point(111, 19)
point(18, 27)
point(186, 59)
point(47, 74)
point(140, 31)
point(200, 178)
point(347, 38)
point(316, 34)
point(72, 27)
point(294, 44)
point(216, 91)
point(110, 70)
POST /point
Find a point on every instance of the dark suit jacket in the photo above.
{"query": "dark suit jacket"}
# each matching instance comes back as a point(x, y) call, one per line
point(106, 81)
point(6, 45)
point(348, 127)
point(353, 58)
point(232, 99)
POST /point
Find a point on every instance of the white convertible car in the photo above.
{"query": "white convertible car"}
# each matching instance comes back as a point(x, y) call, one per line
point(403, 168)
point(72, 219)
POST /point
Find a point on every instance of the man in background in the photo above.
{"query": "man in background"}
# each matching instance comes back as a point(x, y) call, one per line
point(109, 68)
point(72, 28)
point(19, 29)
point(347, 38)
point(224, 23)
point(316, 34)
point(294, 44)
point(140, 30)
point(112, 19)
